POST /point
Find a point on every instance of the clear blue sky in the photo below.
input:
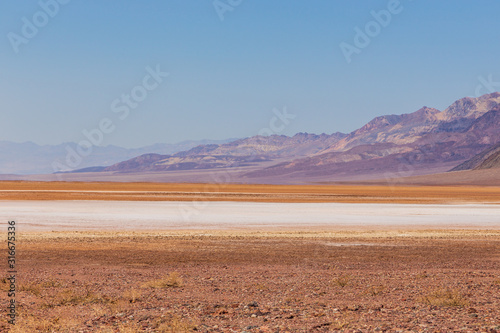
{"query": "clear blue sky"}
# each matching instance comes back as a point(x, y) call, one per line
point(225, 77)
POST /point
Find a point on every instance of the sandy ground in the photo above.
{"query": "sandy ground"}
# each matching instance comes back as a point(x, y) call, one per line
point(156, 215)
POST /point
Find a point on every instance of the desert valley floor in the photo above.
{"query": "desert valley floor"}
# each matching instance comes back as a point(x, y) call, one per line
point(115, 257)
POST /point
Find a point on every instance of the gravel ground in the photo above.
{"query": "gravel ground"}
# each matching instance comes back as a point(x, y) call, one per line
point(206, 281)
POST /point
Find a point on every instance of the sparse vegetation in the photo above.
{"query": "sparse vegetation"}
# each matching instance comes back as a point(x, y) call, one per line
point(32, 288)
point(4, 284)
point(445, 297)
point(224, 274)
point(175, 325)
point(29, 323)
point(375, 290)
point(173, 280)
point(130, 327)
point(132, 295)
point(68, 297)
point(342, 280)
point(36, 288)
point(339, 324)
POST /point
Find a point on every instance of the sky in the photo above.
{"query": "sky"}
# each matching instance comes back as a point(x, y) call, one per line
point(134, 73)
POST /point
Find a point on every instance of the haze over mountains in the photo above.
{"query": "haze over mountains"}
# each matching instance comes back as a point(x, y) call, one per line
point(30, 158)
point(464, 136)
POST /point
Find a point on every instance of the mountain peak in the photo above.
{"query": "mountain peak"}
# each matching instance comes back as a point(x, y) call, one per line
point(471, 107)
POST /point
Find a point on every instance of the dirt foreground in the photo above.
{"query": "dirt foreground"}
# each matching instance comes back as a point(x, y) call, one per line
point(288, 281)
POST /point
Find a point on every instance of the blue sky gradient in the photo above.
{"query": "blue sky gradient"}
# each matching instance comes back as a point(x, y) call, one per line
point(226, 77)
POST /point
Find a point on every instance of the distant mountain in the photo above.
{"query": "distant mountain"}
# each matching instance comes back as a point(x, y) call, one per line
point(492, 162)
point(30, 158)
point(427, 140)
point(243, 152)
point(424, 142)
point(487, 159)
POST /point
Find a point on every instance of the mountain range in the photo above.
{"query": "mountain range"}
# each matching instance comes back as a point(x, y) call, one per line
point(31, 158)
point(464, 136)
point(423, 142)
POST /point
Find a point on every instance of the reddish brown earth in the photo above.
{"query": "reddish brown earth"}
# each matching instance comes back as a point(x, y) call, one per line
point(359, 281)
point(384, 280)
point(383, 193)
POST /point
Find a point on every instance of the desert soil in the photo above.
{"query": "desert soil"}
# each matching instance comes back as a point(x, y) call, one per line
point(21, 190)
point(228, 281)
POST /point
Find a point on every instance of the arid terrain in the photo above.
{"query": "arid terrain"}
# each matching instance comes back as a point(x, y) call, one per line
point(382, 277)
point(386, 193)
point(358, 281)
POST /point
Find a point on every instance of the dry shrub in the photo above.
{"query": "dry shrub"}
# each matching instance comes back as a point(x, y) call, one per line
point(339, 324)
point(4, 284)
point(342, 280)
point(261, 287)
point(50, 284)
point(132, 295)
point(173, 280)
point(175, 325)
point(120, 306)
point(445, 297)
point(105, 330)
point(74, 297)
point(130, 327)
point(99, 310)
point(32, 288)
point(26, 324)
point(37, 288)
point(375, 290)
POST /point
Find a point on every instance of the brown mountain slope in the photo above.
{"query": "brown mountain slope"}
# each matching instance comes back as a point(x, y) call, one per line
point(478, 160)
point(243, 152)
point(408, 128)
point(424, 141)
point(435, 151)
point(492, 162)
